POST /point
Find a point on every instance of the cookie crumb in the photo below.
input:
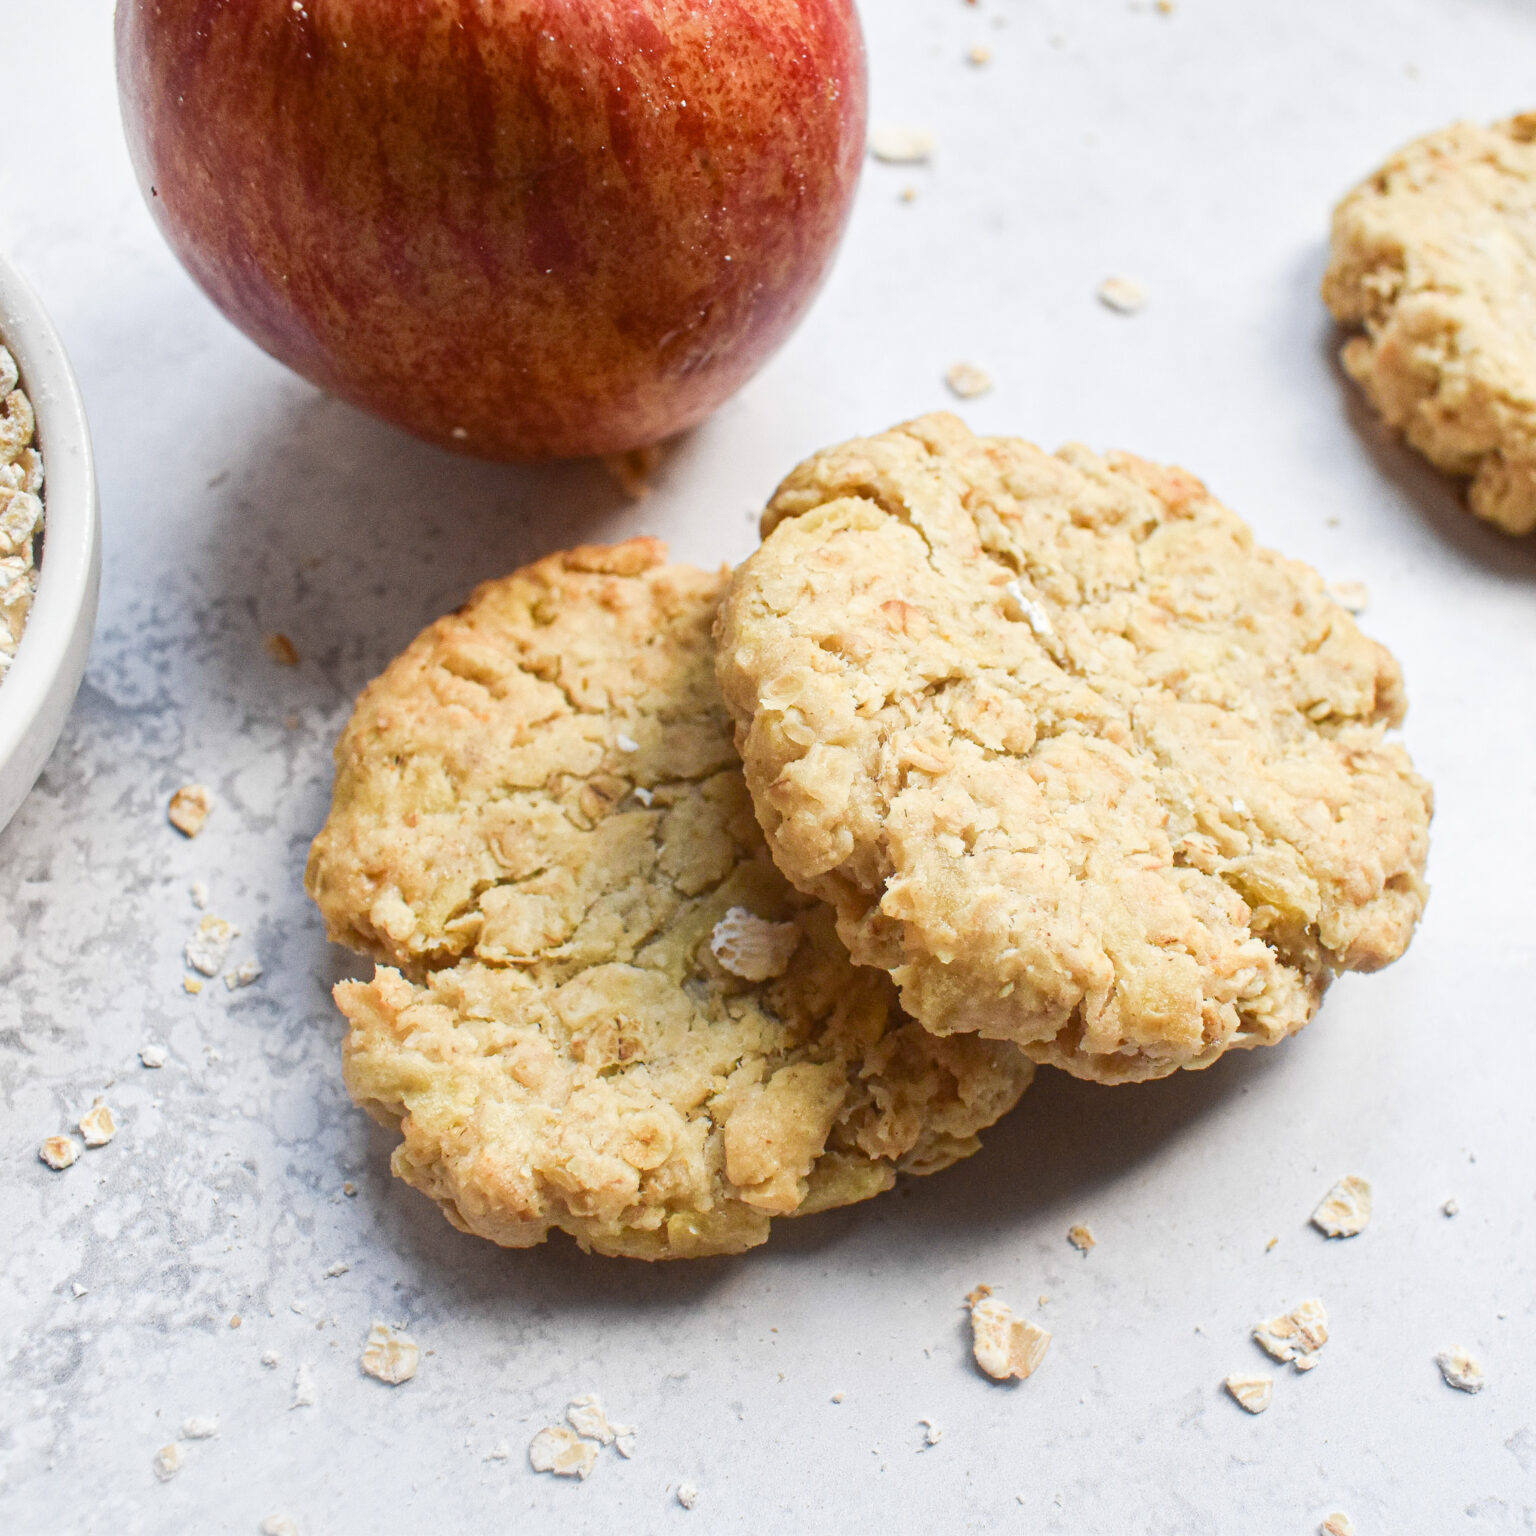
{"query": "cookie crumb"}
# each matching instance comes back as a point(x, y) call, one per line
point(303, 1386)
point(1005, 1346)
point(968, 381)
point(979, 55)
point(199, 1429)
point(242, 975)
point(1350, 595)
point(59, 1152)
point(198, 891)
point(563, 1452)
point(587, 1417)
point(349, 1189)
point(501, 1451)
point(1460, 1370)
point(687, 1495)
point(1081, 1238)
point(98, 1125)
point(752, 948)
point(152, 1056)
point(189, 808)
point(1164, 7)
point(271, 1359)
point(338, 1269)
point(191, 985)
point(282, 650)
point(1452, 1207)
point(932, 1434)
point(907, 195)
point(1346, 1208)
point(633, 471)
point(1251, 1392)
point(893, 144)
point(168, 1461)
point(1296, 1335)
point(206, 949)
point(838, 1397)
point(390, 1355)
point(977, 1293)
point(236, 1320)
point(1337, 1524)
point(1269, 1247)
point(1122, 294)
point(279, 1525)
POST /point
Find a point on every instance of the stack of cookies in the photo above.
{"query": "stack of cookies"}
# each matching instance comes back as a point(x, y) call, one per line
point(699, 899)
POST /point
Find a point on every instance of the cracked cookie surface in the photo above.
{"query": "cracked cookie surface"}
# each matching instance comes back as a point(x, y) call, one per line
point(541, 830)
point(1434, 262)
point(1072, 759)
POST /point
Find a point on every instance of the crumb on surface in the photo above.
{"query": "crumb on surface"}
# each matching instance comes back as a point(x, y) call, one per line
point(687, 1495)
point(1346, 1208)
point(152, 1056)
point(59, 1152)
point(1252, 1392)
point(1081, 1238)
point(303, 1386)
point(634, 470)
point(1452, 1207)
point(189, 808)
point(1461, 1370)
point(588, 1418)
point(279, 1525)
point(168, 1461)
point(1124, 295)
point(967, 381)
point(1005, 1347)
point(752, 948)
point(979, 55)
point(98, 1125)
point(895, 144)
point(242, 975)
point(561, 1451)
point(206, 949)
point(1295, 1336)
point(390, 1355)
point(282, 650)
point(199, 1428)
point(1337, 1524)
point(932, 1434)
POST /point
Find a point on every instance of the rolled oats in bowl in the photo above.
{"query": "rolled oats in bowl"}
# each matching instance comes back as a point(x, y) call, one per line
point(21, 510)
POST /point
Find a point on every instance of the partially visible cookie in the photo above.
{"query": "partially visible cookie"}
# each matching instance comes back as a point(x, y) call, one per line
point(1074, 761)
point(1434, 261)
point(602, 1008)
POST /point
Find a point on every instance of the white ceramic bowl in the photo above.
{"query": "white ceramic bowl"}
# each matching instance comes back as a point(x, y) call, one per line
point(43, 679)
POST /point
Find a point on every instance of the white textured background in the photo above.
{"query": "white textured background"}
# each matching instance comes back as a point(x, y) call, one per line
point(1198, 152)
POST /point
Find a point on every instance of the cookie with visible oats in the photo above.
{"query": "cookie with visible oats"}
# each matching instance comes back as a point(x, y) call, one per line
point(1074, 761)
point(1434, 264)
point(599, 1006)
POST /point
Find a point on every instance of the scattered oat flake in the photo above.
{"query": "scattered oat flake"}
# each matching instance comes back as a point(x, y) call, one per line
point(59, 1152)
point(1350, 595)
point(1296, 1335)
point(282, 649)
point(1122, 294)
point(152, 1055)
point(189, 808)
point(1005, 1346)
point(932, 1434)
point(1346, 1208)
point(968, 381)
point(168, 1460)
point(1252, 1392)
point(1460, 1370)
point(751, 947)
point(98, 1125)
point(586, 1416)
point(1081, 1238)
point(208, 946)
point(390, 1355)
point(279, 1525)
point(633, 471)
point(1451, 1207)
point(687, 1495)
point(894, 144)
point(242, 975)
point(303, 1386)
point(1337, 1524)
point(562, 1451)
point(199, 1429)
point(979, 55)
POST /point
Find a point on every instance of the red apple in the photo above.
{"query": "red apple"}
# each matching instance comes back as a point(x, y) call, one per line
point(520, 228)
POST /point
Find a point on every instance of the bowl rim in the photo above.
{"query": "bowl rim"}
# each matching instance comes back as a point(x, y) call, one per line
point(67, 572)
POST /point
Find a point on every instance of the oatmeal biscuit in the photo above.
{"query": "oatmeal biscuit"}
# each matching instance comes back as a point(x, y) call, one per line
point(1073, 760)
point(600, 1007)
point(1434, 263)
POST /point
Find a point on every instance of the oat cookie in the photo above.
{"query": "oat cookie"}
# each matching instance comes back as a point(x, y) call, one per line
point(1434, 261)
point(1074, 761)
point(590, 1014)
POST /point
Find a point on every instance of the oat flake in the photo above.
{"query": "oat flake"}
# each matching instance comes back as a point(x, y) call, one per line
point(586, 1416)
point(168, 1461)
point(189, 808)
point(1005, 1346)
point(752, 948)
point(1295, 1336)
point(279, 1525)
point(968, 381)
point(303, 1386)
point(208, 946)
point(1122, 294)
point(59, 1152)
point(1081, 1238)
point(1252, 1392)
point(1346, 1208)
point(896, 145)
point(1460, 1370)
point(152, 1056)
point(687, 1495)
point(199, 1429)
point(390, 1356)
point(242, 975)
point(97, 1125)
point(563, 1452)
point(1337, 1524)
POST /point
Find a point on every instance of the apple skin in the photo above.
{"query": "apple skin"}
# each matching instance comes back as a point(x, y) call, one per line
point(518, 228)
